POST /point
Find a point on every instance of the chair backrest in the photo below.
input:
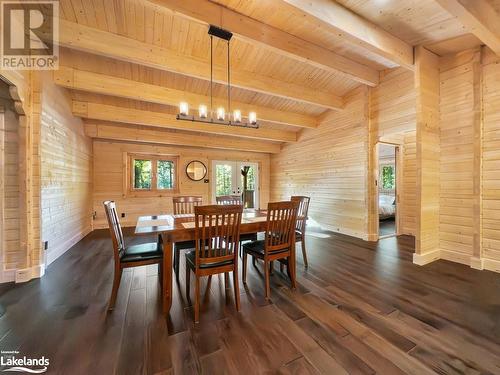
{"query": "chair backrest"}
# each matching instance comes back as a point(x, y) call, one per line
point(217, 233)
point(281, 221)
point(114, 229)
point(186, 204)
point(229, 200)
point(302, 212)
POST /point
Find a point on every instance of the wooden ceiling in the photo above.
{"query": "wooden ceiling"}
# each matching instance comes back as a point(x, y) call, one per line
point(291, 65)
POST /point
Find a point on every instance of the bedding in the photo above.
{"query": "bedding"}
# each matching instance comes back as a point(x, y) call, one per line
point(386, 206)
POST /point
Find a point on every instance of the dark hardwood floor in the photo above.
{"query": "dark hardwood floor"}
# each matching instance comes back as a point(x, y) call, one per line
point(360, 308)
point(387, 227)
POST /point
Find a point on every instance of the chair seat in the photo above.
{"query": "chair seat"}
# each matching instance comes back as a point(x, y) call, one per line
point(191, 259)
point(257, 248)
point(248, 237)
point(146, 251)
point(185, 245)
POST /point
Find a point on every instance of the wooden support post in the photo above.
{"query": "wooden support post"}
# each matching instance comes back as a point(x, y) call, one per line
point(372, 170)
point(428, 151)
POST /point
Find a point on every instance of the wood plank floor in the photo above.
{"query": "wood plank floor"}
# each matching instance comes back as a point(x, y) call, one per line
point(360, 308)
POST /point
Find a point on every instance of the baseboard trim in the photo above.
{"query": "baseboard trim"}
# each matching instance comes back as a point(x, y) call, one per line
point(27, 274)
point(491, 265)
point(61, 249)
point(453, 256)
point(423, 259)
point(477, 263)
point(8, 276)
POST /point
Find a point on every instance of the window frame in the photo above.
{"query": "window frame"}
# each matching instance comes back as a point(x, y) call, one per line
point(154, 190)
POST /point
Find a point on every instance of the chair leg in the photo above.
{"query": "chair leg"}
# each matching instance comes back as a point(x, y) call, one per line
point(226, 280)
point(114, 291)
point(236, 288)
point(244, 276)
point(177, 255)
point(267, 279)
point(292, 274)
point(197, 300)
point(160, 274)
point(304, 255)
point(271, 267)
point(253, 262)
point(188, 281)
point(282, 267)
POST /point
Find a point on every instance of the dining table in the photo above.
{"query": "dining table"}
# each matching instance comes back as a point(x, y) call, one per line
point(181, 227)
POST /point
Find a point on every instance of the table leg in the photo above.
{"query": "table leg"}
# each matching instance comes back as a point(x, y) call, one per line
point(167, 274)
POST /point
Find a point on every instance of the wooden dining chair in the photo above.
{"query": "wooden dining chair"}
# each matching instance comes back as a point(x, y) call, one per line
point(278, 243)
point(129, 256)
point(236, 200)
point(217, 235)
point(184, 205)
point(300, 228)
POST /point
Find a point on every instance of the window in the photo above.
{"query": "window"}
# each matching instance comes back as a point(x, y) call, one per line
point(388, 177)
point(153, 173)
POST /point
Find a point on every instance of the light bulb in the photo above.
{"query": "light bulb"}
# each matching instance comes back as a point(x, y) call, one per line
point(183, 108)
point(252, 118)
point(203, 111)
point(237, 115)
point(221, 114)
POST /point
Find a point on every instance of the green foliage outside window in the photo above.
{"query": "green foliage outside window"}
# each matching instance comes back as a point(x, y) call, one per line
point(388, 177)
point(142, 174)
point(223, 180)
point(165, 174)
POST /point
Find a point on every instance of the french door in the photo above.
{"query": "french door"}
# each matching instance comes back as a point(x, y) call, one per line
point(236, 178)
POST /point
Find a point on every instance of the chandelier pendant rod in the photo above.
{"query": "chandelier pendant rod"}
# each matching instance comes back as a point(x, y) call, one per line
point(211, 76)
point(228, 84)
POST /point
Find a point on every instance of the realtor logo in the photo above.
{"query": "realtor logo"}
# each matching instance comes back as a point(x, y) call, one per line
point(29, 35)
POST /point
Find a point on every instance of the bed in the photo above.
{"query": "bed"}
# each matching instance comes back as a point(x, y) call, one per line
point(386, 207)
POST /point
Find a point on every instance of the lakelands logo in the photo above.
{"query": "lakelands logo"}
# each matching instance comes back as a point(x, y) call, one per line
point(10, 362)
point(29, 35)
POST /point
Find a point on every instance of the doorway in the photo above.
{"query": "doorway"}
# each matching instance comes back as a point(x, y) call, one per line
point(388, 189)
point(236, 178)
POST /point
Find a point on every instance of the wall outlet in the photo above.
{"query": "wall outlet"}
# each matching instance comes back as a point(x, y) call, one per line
point(123, 214)
point(94, 215)
point(206, 181)
point(45, 245)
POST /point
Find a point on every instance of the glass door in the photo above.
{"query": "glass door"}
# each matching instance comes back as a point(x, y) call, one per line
point(236, 178)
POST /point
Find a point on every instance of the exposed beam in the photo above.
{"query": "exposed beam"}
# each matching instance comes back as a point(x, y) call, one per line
point(134, 133)
point(252, 30)
point(126, 88)
point(479, 18)
point(103, 43)
point(331, 16)
point(106, 112)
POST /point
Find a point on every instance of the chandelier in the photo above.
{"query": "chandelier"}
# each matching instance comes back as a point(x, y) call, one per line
point(219, 116)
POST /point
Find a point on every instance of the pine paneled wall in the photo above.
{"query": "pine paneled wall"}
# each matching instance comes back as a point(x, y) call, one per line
point(329, 164)
point(66, 173)
point(10, 236)
point(456, 161)
point(109, 178)
point(392, 112)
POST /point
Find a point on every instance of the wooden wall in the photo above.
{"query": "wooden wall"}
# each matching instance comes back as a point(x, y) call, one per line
point(329, 164)
point(457, 159)
point(9, 184)
point(490, 148)
point(66, 173)
point(109, 178)
point(393, 114)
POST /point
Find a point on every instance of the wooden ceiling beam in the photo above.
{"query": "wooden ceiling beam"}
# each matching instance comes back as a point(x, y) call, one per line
point(125, 88)
point(286, 44)
point(141, 134)
point(479, 18)
point(97, 111)
point(331, 16)
point(91, 40)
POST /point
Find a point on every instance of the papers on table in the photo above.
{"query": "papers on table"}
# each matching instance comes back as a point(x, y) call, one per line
point(153, 223)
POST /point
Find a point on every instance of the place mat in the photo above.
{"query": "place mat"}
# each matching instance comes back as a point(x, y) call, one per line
point(178, 216)
point(154, 223)
point(254, 219)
